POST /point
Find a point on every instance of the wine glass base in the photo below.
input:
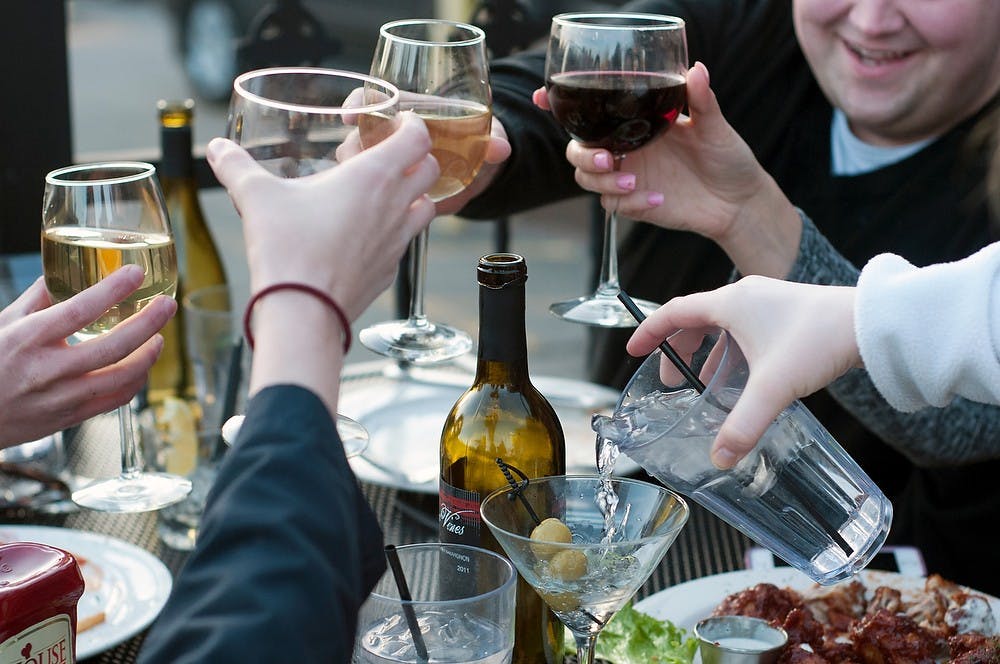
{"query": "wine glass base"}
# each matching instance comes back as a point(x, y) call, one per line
point(600, 311)
point(353, 436)
point(432, 343)
point(144, 493)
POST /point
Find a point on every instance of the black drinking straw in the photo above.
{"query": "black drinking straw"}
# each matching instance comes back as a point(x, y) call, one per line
point(406, 598)
point(667, 349)
point(234, 376)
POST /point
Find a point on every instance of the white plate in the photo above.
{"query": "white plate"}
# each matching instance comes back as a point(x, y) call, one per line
point(687, 603)
point(404, 419)
point(133, 585)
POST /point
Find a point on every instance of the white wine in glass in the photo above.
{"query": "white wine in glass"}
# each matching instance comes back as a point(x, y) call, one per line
point(292, 120)
point(614, 81)
point(441, 70)
point(97, 218)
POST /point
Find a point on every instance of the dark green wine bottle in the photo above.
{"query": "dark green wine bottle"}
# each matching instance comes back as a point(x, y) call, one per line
point(501, 415)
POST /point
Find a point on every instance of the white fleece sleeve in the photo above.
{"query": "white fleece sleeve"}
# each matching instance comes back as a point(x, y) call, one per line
point(927, 335)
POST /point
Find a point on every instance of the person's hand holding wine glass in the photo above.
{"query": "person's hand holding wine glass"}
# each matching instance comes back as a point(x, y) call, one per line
point(701, 177)
point(97, 218)
point(294, 121)
point(615, 81)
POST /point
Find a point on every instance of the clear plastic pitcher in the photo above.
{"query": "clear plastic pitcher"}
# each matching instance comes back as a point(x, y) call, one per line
point(798, 492)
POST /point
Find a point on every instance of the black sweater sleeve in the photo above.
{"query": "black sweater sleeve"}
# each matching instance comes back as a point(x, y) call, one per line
point(287, 552)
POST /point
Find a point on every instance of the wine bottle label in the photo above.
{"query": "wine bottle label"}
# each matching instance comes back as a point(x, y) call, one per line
point(47, 642)
point(459, 517)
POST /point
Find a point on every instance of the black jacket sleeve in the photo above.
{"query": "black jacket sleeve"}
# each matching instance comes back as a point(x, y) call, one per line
point(287, 552)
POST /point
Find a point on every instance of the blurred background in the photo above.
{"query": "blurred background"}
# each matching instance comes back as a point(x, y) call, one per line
point(82, 78)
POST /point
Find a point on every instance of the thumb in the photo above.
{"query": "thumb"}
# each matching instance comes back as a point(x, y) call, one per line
point(230, 162)
point(702, 103)
point(753, 413)
point(540, 98)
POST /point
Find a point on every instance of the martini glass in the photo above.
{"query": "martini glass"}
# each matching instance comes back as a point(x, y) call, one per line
point(620, 530)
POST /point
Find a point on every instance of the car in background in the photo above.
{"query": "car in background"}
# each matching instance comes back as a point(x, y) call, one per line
point(210, 34)
point(214, 37)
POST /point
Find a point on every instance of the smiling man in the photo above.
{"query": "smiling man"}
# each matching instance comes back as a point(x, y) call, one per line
point(863, 113)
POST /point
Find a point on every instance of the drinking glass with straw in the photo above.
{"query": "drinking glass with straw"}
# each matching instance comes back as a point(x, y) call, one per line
point(442, 603)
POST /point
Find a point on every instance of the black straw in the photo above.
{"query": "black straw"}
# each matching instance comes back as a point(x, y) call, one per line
point(233, 379)
point(405, 597)
point(667, 349)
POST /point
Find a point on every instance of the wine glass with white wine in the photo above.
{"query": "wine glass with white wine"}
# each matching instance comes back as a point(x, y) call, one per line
point(441, 70)
point(292, 120)
point(97, 218)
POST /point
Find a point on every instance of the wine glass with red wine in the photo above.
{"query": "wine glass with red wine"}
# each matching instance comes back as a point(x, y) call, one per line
point(614, 81)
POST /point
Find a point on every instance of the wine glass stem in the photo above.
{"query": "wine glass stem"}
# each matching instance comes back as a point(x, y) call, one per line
point(418, 271)
point(131, 458)
point(585, 648)
point(608, 284)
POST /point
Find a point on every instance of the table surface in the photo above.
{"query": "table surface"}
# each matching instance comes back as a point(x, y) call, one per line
point(705, 546)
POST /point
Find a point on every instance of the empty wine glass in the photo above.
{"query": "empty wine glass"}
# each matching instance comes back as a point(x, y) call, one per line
point(441, 71)
point(292, 120)
point(614, 81)
point(97, 218)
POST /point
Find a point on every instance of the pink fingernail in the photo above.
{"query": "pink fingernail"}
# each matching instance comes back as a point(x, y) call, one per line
point(655, 199)
point(626, 182)
point(602, 160)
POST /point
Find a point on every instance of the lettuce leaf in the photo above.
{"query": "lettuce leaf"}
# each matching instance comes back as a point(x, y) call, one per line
point(632, 637)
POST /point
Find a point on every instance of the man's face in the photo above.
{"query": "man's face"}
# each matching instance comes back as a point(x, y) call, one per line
point(902, 70)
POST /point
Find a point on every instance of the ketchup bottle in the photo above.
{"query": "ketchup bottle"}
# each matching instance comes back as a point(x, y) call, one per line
point(39, 589)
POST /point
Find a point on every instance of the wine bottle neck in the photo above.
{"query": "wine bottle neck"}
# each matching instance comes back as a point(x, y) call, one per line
point(175, 146)
point(502, 345)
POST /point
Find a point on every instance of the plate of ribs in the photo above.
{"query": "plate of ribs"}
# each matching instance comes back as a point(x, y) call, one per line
point(875, 618)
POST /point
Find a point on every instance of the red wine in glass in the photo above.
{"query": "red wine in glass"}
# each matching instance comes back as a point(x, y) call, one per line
point(616, 110)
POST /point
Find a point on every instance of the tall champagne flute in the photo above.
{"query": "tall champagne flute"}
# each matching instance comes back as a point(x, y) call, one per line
point(95, 219)
point(292, 120)
point(614, 81)
point(441, 70)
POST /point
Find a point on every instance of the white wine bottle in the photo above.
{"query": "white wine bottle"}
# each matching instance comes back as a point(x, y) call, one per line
point(501, 415)
point(198, 260)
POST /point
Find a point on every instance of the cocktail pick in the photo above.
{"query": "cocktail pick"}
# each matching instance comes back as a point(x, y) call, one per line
point(517, 487)
point(665, 346)
point(515, 493)
point(404, 595)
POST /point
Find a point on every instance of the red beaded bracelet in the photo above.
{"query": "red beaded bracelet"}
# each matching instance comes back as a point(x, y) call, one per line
point(302, 288)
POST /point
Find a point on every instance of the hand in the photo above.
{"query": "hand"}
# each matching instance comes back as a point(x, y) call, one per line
point(797, 338)
point(343, 229)
point(48, 384)
point(497, 152)
point(698, 176)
